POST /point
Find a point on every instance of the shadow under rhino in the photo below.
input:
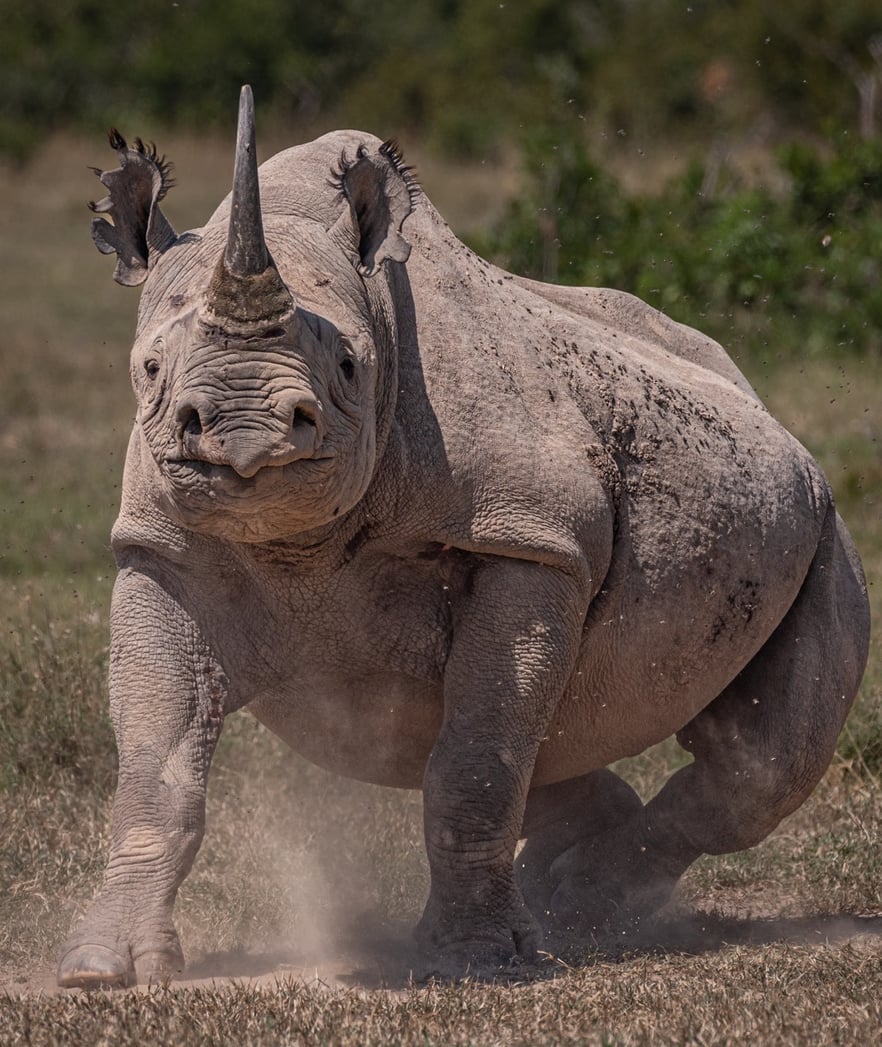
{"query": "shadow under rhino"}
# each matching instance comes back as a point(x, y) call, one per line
point(386, 958)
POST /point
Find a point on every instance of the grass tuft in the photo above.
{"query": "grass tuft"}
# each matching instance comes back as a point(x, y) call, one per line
point(54, 724)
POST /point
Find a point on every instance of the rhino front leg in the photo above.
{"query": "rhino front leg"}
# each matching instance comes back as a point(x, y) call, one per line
point(167, 698)
point(516, 631)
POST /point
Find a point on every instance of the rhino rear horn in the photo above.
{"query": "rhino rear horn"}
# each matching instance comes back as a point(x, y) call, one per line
point(140, 231)
point(246, 290)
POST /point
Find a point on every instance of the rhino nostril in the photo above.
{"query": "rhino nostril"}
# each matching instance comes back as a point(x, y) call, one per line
point(306, 430)
point(190, 423)
point(303, 416)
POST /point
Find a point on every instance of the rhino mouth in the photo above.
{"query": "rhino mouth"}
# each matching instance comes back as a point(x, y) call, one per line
point(276, 502)
point(181, 470)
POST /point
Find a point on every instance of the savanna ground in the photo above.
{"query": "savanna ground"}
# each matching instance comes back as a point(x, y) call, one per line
point(295, 916)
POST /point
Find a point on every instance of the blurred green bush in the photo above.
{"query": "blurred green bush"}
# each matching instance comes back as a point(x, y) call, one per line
point(462, 76)
point(794, 268)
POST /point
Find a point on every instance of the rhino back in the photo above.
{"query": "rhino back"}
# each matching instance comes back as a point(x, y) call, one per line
point(510, 365)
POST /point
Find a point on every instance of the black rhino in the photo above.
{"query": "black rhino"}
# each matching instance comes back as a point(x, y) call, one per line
point(446, 529)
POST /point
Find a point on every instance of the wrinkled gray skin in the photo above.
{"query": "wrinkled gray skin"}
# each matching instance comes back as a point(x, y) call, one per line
point(442, 528)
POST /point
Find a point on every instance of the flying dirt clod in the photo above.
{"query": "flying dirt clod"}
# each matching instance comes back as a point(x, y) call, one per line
point(443, 528)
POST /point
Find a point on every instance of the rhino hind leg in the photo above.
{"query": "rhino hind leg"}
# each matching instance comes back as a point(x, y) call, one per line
point(759, 750)
point(567, 815)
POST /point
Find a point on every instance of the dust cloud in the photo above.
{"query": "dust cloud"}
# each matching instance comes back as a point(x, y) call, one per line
point(302, 874)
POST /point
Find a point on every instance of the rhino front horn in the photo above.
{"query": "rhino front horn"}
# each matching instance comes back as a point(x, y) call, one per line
point(246, 291)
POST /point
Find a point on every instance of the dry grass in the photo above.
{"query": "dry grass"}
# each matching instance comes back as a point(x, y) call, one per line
point(303, 873)
point(293, 919)
point(781, 994)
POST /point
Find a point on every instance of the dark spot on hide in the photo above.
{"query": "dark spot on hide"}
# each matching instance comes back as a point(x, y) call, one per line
point(356, 541)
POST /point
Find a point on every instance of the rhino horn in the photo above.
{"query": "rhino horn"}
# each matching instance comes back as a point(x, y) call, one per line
point(246, 291)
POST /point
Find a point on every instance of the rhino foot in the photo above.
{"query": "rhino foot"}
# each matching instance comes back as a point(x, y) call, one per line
point(594, 911)
point(472, 961)
point(90, 966)
point(494, 950)
point(608, 884)
point(119, 960)
point(158, 966)
point(577, 832)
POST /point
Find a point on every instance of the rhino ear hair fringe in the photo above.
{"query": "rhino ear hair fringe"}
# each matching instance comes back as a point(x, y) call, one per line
point(163, 165)
point(335, 181)
point(151, 154)
point(392, 151)
point(389, 150)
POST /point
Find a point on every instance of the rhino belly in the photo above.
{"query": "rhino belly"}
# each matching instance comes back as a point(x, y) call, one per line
point(378, 728)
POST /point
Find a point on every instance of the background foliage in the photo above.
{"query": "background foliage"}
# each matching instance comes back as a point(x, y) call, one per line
point(460, 74)
point(794, 267)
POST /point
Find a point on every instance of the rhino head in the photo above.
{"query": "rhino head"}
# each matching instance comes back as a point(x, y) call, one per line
point(264, 380)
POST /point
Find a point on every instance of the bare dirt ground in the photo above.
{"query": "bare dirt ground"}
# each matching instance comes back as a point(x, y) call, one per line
point(701, 978)
point(388, 963)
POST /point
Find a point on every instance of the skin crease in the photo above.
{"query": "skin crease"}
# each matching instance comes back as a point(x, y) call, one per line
point(514, 533)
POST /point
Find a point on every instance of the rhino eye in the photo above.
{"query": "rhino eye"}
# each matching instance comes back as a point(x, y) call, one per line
point(348, 368)
point(152, 368)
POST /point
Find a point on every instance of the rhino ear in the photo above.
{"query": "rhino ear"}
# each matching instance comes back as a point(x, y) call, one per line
point(140, 230)
point(381, 191)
